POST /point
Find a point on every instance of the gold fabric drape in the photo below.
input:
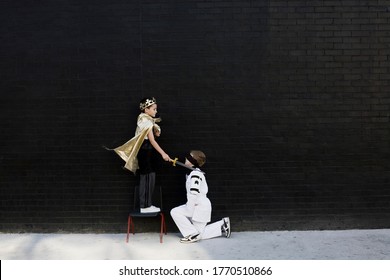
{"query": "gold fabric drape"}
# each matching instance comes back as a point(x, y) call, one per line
point(128, 151)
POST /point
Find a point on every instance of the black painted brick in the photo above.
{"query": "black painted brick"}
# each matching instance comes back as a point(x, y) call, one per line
point(289, 100)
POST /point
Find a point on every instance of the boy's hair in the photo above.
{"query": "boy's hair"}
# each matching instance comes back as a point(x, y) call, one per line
point(146, 102)
point(199, 157)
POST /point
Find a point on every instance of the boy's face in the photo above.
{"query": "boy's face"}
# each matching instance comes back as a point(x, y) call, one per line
point(152, 110)
point(188, 163)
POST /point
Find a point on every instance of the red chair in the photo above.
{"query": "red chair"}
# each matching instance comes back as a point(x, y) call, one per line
point(137, 214)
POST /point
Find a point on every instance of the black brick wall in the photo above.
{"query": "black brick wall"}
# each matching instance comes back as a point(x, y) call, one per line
point(290, 101)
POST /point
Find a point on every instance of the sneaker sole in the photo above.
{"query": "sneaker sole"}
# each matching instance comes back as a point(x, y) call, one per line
point(229, 232)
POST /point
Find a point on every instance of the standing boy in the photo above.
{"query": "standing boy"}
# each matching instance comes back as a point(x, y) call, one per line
point(138, 153)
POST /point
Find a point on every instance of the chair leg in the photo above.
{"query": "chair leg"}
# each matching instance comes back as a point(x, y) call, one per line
point(163, 228)
point(130, 226)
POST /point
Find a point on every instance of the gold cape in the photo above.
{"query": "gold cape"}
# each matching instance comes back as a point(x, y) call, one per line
point(128, 151)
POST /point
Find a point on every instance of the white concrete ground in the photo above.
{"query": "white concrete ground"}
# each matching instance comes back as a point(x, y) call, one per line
point(278, 245)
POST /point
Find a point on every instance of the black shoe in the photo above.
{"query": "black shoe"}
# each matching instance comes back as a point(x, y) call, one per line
point(190, 238)
point(225, 228)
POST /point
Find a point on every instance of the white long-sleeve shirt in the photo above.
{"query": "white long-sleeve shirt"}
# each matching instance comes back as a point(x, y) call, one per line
point(197, 201)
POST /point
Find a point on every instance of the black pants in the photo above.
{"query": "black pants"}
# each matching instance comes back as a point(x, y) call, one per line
point(147, 180)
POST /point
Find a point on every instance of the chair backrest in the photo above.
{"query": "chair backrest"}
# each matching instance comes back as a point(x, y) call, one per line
point(157, 197)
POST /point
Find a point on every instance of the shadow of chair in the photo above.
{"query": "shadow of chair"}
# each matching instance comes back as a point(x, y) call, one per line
point(135, 213)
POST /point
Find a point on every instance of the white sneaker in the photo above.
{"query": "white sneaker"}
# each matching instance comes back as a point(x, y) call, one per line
point(156, 209)
point(225, 228)
point(151, 209)
point(190, 238)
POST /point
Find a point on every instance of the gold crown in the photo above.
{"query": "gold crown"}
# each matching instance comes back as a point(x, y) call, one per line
point(148, 102)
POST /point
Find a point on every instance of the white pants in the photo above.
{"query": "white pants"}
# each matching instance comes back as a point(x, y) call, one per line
point(183, 220)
